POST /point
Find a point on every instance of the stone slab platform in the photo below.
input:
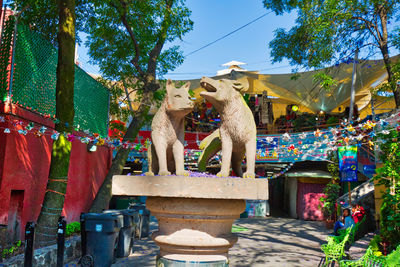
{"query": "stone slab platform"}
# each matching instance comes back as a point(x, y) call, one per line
point(190, 187)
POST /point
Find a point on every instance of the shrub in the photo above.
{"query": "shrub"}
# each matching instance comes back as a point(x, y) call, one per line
point(72, 228)
point(7, 252)
point(331, 190)
point(389, 176)
point(375, 245)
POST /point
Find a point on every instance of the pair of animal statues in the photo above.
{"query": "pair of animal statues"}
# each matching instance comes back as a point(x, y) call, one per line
point(237, 133)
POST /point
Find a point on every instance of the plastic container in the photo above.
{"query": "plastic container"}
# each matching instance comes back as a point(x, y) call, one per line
point(101, 235)
point(143, 222)
point(127, 231)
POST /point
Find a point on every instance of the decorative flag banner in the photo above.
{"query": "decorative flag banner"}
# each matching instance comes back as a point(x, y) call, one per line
point(347, 156)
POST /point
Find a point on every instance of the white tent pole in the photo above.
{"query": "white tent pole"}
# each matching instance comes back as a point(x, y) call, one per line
point(353, 85)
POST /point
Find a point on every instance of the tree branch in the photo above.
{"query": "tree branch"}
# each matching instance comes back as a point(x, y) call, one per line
point(369, 25)
point(128, 98)
point(370, 44)
point(135, 60)
point(162, 35)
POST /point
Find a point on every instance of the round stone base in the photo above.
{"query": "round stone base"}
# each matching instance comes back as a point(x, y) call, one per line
point(194, 227)
point(192, 261)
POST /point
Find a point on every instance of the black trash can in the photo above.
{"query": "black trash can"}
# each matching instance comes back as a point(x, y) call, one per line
point(126, 233)
point(143, 223)
point(101, 232)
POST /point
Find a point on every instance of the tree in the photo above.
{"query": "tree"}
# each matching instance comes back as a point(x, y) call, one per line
point(328, 31)
point(58, 176)
point(43, 18)
point(126, 39)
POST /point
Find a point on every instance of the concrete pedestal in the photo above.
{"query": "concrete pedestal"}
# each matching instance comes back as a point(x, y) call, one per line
point(191, 261)
point(195, 214)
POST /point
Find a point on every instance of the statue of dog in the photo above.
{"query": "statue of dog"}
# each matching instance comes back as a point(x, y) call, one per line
point(238, 130)
point(166, 154)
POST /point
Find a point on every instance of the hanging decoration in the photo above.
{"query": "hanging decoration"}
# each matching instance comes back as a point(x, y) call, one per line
point(288, 147)
point(348, 163)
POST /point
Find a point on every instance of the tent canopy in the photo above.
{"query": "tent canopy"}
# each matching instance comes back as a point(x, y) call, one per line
point(301, 88)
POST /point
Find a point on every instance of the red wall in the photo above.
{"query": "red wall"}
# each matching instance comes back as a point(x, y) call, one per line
point(25, 162)
point(308, 196)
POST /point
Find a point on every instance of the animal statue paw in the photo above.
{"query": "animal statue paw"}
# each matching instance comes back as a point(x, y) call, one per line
point(149, 173)
point(249, 175)
point(223, 174)
point(182, 173)
point(164, 173)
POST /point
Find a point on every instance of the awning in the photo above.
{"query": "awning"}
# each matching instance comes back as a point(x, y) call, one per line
point(302, 89)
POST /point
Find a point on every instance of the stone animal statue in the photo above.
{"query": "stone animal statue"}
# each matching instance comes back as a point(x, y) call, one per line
point(166, 154)
point(237, 133)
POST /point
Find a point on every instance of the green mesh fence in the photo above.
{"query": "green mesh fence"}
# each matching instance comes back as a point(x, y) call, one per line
point(5, 56)
point(34, 83)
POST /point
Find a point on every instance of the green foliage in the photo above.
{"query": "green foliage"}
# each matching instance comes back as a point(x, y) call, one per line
point(126, 40)
point(304, 122)
point(152, 22)
point(331, 190)
point(330, 31)
point(72, 228)
point(338, 210)
point(393, 259)
point(389, 176)
point(295, 76)
point(326, 81)
point(42, 17)
point(387, 86)
point(325, 30)
point(6, 252)
point(375, 245)
point(238, 229)
point(332, 120)
point(109, 25)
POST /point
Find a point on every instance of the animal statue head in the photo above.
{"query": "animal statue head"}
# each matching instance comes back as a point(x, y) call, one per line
point(178, 100)
point(221, 91)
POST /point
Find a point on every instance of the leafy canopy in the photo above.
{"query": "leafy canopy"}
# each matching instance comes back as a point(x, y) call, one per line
point(42, 17)
point(327, 31)
point(123, 36)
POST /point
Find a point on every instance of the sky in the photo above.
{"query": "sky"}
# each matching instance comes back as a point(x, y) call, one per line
point(212, 20)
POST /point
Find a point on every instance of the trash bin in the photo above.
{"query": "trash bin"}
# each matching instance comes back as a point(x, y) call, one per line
point(143, 223)
point(126, 233)
point(101, 232)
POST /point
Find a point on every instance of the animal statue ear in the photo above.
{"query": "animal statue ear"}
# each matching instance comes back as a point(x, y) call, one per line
point(241, 86)
point(170, 85)
point(186, 86)
point(239, 81)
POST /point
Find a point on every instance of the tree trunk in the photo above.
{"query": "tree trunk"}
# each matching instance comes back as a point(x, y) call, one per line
point(391, 80)
point(104, 195)
point(386, 58)
point(53, 202)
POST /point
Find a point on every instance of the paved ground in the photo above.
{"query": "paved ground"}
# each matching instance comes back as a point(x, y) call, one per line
point(357, 250)
point(271, 241)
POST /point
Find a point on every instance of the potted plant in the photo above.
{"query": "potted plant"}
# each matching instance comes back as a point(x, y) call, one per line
point(328, 202)
point(331, 191)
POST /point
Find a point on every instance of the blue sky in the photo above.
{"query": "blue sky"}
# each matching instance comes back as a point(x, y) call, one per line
point(213, 19)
